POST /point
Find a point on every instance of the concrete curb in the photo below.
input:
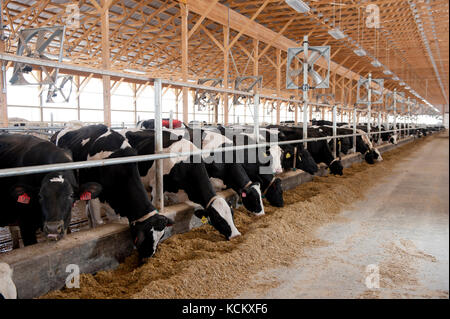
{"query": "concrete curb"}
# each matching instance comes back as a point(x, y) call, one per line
point(41, 268)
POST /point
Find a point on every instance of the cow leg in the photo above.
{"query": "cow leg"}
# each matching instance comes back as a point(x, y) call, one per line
point(93, 213)
point(15, 236)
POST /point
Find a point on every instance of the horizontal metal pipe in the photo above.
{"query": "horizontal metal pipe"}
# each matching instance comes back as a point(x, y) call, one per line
point(17, 171)
point(66, 66)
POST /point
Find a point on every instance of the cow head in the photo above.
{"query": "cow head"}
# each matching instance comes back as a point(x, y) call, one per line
point(306, 162)
point(277, 153)
point(274, 193)
point(220, 216)
point(57, 194)
point(148, 233)
point(393, 139)
point(369, 157)
point(344, 145)
point(252, 199)
point(336, 167)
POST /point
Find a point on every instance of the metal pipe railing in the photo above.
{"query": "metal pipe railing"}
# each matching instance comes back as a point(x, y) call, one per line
point(17, 171)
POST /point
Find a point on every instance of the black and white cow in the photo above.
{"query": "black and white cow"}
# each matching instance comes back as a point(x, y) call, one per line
point(292, 156)
point(364, 145)
point(38, 200)
point(320, 150)
point(186, 174)
point(343, 144)
point(259, 166)
point(7, 287)
point(222, 169)
point(122, 188)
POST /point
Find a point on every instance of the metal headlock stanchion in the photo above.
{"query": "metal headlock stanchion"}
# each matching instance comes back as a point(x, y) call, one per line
point(159, 156)
point(159, 187)
point(335, 150)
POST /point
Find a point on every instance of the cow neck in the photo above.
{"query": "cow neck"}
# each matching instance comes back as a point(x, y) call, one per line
point(269, 186)
point(144, 218)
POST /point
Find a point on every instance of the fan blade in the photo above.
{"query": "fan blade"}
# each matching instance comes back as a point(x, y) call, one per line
point(378, 92)
point(296, 72)
point(313, 57)
point(316, 77)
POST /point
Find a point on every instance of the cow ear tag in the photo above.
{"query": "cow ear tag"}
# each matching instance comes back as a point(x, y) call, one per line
point(204, 220)
point(244, 194)
point(288, 155)
point(86, 196)
point(23, 199)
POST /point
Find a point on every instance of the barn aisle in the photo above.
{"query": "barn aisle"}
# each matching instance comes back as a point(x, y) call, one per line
point(397, 237)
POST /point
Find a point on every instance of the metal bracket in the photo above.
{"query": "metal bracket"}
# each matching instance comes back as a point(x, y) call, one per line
point(35, 43)
point(239, 86)
point(314, 54)
point(364, 84)
point(205, 99)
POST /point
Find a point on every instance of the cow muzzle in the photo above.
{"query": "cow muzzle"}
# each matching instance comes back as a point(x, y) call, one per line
point(54, 230)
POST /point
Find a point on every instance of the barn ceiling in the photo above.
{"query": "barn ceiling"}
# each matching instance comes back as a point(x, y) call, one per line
point(412, 40)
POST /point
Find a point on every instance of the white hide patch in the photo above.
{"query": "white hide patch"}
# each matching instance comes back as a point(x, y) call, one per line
point(7, 286)
point(168, 163)
point(157, 235)
point(380, 158)
point(221, 206)
point(58, 179)
point(125, 145)
point(107, 133)
point(214, 140)
point(276, 153)
point(99, 156)
point(258, 189)
point(66, 130)
point(85, 141)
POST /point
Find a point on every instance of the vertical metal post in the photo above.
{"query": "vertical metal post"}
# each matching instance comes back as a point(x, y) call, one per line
point(409, 117)
point(335, 131)
point(159, 193)
point(395, 112)
point(379, 127)
point(354, 130)
point(51, 119)
point(305, 90)
point(369, 105)
point(256, 115)
point(171, 120)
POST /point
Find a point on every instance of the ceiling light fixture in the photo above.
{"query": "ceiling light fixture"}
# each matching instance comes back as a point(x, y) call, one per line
point(360, 52)
point(337, 34)
point(298, 5)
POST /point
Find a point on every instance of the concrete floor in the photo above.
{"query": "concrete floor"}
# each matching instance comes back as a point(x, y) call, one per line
point(398, 237)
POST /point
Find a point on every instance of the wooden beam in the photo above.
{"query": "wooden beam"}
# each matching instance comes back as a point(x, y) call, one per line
point(3, 97)
point(106, 62)
point(278, 84)
point(184, 58)
point(226, 65)
point(246, 26)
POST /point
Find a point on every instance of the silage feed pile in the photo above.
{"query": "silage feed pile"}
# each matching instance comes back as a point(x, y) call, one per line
point(201, 264)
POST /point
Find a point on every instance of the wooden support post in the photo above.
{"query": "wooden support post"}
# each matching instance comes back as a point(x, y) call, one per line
point(177, 100)
point(278, 84)
point(106, 63)
point(134, 87)
point(184, 58)
point(226, 64)
point(77, 88)
point(3, 97)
